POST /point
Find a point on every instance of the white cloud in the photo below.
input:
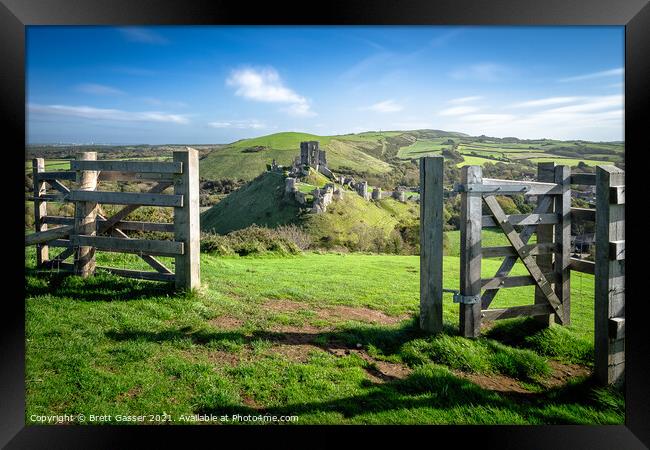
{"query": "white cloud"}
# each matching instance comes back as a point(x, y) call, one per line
point(591, 104)
point(588, 117)
point(239, 124)
point(546, 102)
point(89, 112)
point(472, 98)
point(143, 35)
point(605, 73)
point(386, 106)
point(266, 86)
point(483, 72)
point(157, 102)
point(458, 110)
point(98, 89)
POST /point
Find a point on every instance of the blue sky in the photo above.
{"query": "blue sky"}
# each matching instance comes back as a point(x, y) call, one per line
point(217, 84)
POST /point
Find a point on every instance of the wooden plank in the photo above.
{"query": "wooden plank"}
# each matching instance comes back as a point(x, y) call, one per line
point(470, 252)
point(40, 208)
point(153, 262)
point(523, 219)
point(84, 217)
point(431, 233)
point(123, 224)
point(57, 264)
point(609, 355)
point(545, 234)
point(531, 249)
point(582, 265)
point(122, 213)
point(528, 260)
point(617, 328)
point(113, 244)
point(43, 236)
point(186, 220)
point(583, 214)
point(617, 250)
point(586, 179)
point(513, 187)
point(58, 198)
point(58, 175)
point(127, 198)
point(562, 259)
point(617, 195)
point(517, 311)
point(59, 186)
point(128, 166)
point(132, 176)
point(509, 262)
point(139, 274)
point(513, 281)
point(60, 243)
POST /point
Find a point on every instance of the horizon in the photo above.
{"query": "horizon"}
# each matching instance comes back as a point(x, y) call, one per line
point(210, 85)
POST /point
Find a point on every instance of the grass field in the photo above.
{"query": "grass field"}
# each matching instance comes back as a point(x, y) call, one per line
point(328, 338)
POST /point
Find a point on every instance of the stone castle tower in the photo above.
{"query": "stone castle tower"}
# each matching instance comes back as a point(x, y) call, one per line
point(311, 155)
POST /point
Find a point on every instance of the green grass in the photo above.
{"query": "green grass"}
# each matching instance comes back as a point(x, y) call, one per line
point(108, 345)
point(260, 202)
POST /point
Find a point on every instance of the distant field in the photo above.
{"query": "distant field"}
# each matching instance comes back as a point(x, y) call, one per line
point(569, 161)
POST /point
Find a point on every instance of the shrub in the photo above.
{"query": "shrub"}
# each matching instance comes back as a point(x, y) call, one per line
point(253, 240)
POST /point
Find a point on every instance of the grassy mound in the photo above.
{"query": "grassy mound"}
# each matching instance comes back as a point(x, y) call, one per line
point(260, 202)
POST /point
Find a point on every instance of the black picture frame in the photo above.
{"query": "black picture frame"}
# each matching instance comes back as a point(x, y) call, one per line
point(16, 14)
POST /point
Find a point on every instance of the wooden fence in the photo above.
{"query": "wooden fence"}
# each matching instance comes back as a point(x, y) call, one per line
point(88, 231)
point(548, 261)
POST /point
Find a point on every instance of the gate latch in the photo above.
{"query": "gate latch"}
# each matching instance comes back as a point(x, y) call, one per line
point(466, 299)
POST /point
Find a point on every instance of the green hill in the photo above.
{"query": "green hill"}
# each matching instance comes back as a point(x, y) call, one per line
point(347, 222)
point(374, 154)
point(258, 202)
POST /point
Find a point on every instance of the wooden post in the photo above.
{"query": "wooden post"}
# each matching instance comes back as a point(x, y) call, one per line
point(563, 237)
point(470, 252)
point(609, 317)
point(186, 220)
point(85, 218)
point(40, 209)
point(431, 179)
point(545, 235)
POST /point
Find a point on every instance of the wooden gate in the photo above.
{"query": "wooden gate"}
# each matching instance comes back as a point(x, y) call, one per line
point(550, 275)
point(88, 231)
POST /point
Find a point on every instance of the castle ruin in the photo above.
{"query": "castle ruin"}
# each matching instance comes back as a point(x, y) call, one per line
point(312, 157)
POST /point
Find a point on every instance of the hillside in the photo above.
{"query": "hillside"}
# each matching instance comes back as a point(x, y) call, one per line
point(347, 222)
point(379, 153)
point(258, 202)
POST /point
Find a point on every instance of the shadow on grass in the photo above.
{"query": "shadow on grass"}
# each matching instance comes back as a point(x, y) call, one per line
point(428, 386)
point(434, 387)
point(100, 287)
point(386, 339)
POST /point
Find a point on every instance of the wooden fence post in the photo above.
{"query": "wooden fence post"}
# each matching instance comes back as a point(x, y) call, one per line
point(40, 209)
point(545, 234)
point(186, 220)
point(563, 237)
point(431, 179)
point(85, 218)
point(609, 317)
point(470, 251)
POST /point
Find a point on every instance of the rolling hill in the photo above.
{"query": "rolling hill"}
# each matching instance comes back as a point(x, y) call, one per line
point(375, 153)
point(345, 222)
